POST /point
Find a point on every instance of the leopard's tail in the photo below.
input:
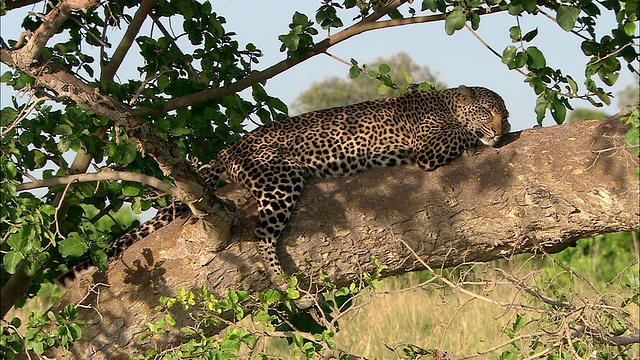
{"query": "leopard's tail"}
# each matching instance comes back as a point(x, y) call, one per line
point(162, 218)
point(66, 280)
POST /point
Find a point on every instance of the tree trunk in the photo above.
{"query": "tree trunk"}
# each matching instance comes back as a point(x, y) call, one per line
point(545, 187)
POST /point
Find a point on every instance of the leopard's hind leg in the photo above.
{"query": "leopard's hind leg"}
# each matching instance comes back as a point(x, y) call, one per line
point(276, 197)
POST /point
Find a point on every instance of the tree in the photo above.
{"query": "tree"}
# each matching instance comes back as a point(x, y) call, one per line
point(335, 91)
point(185, 103)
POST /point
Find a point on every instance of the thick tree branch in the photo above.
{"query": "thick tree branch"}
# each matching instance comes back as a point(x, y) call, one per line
point(102, 176)
point(500, 202)
point(26, 55)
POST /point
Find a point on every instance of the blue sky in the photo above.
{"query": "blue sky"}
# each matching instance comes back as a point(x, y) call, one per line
point(458, 59)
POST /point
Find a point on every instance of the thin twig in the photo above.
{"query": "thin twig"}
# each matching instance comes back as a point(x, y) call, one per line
point(556, 21)
point(100, 41)
point(60, 204)
point(506, 343)
point(144, 84)
point(563, 266)
point(24, 113)
point(489, 47)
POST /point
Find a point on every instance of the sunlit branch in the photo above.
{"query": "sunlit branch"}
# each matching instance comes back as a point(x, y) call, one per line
point(51, 22)
point(102, 176)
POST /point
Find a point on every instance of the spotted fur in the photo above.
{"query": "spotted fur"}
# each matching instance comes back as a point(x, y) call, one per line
point(427, 128)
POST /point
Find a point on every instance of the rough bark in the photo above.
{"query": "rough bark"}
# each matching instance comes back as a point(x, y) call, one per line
point(545, 187)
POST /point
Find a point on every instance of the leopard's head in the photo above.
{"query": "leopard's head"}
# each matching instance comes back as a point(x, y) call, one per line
point(483, 112)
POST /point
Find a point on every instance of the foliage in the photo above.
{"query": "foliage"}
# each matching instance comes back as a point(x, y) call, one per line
point(501, 312)
point(43, 234)
point(274, 314)
point(42, 332)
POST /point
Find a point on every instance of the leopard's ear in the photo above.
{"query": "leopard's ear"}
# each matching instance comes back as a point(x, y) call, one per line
point(466, 95)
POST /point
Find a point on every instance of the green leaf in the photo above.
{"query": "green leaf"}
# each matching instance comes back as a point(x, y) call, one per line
point(63, 129)
point(10, 170)
point(529, 6)
point(130, 190)
point(515, 8)
point(572, 84)
point(518, 323)
point(383, 89)
point(342, 291)
point(530, 35)
point(508, 54)
point(47, 209)
point(292, 39)
point(507, 355)
point(631, 137)
point(11, 261)
point(604, 97)
point(541, 108)
point(128, 154)
point(474, 18)
point(8, 75)
point(277, 104)
point(73, 246)
point(298, 340)
point(163, 82)
point(567, 16)
point(515, 33)
point(407, 77)
point(429, 4)
point(630, 28)
point(258, 93)
point(395, 14)
point(384, 68)
point(454, 21)
point(535, 58)
point(354, 72)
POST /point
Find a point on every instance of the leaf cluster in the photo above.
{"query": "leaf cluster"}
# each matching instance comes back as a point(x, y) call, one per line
point(42, 332)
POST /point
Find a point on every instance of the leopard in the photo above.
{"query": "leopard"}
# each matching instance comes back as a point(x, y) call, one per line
point(427, 128)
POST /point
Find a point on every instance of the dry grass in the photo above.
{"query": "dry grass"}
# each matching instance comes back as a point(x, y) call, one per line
point(453, 322)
